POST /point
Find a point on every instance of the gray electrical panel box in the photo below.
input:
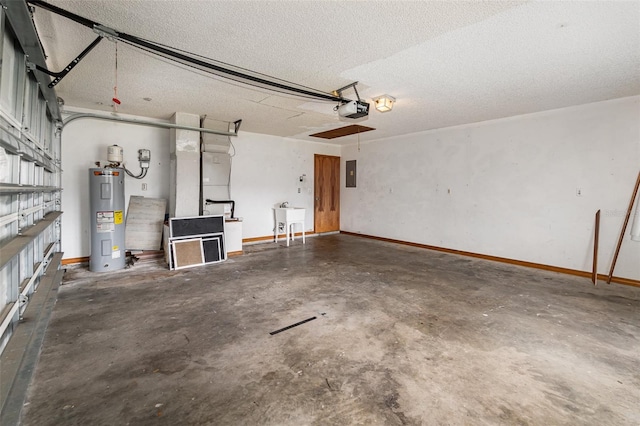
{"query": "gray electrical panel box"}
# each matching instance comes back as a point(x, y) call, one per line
point(351, 173)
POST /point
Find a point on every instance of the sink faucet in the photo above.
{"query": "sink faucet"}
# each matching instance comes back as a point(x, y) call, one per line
point(284, 205)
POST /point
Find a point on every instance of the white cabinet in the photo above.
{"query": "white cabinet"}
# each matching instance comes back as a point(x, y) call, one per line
point(233, 236)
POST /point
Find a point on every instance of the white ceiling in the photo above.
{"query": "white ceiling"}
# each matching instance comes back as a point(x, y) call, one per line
point(446, 62)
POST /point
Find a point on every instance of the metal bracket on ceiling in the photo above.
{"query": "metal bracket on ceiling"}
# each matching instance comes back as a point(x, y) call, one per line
point(102, 31)
point(338, 92)
point(106, 32)
point(236, 126)
point(60, 75)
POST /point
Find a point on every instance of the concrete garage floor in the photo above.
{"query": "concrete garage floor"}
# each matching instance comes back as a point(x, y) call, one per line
point(402, 336)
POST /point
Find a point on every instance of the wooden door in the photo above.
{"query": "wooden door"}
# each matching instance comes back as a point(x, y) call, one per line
point(327, 193)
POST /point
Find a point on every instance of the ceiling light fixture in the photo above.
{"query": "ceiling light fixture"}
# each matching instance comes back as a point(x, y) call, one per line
point(384, 103)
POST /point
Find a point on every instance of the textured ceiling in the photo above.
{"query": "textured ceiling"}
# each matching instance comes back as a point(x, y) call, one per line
point(447, 63)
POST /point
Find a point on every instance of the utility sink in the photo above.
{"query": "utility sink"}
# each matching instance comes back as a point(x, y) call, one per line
point(290, 216)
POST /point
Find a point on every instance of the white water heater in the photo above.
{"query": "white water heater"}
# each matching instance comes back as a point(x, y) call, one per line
point(106, 190)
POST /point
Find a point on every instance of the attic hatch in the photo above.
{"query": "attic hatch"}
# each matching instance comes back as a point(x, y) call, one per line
point(343, 131)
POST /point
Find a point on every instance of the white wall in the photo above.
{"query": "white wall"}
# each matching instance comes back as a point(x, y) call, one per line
point(84, 142)
point(506, 187)
point(265, 171)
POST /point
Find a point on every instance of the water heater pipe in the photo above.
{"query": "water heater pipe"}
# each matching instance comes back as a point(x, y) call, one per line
point(145, 123)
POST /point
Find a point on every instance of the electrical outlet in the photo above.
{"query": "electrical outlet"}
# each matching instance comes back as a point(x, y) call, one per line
point(298, 190)
point(144, 186)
